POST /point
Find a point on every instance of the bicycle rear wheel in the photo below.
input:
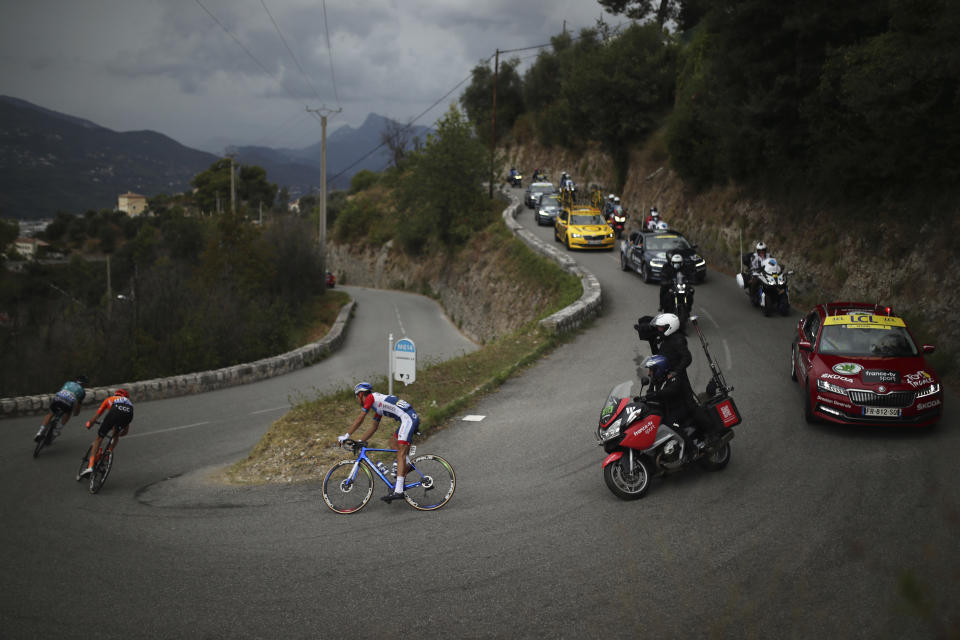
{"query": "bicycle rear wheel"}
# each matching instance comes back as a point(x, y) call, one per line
point(84, 462)
point(101, 470)
point(48, 435)
point(345, 491)
point(430, 483)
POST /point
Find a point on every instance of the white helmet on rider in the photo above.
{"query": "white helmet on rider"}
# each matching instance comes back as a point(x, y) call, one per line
point(676, 261)
point(654, 213)
point(669, 322)
point(761, 247)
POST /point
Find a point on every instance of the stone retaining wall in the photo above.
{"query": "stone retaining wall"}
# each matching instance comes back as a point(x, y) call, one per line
point(205, 380)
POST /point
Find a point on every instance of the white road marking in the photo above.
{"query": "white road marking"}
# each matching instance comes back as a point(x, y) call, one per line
point(151, 433)
point(707, 313)
point(473, 418)
point(396, 311)
point(253, 413)
point(726, 348)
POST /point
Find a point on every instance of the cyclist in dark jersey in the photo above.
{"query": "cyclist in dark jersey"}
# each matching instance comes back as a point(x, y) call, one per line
point(119, 410)
point(392, 407)
point(67, 401)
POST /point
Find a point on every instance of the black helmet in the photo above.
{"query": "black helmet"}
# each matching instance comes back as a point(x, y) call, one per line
point(81, 379)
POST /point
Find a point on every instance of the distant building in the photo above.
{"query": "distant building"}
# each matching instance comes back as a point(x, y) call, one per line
point(132, 204)
point(28, 247)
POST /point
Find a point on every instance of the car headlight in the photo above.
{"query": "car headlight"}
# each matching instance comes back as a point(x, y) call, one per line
point(823, 385)
point(577, 235)
point(929, 391)
point(612, 431)
point(611, 235)
point(657, 263)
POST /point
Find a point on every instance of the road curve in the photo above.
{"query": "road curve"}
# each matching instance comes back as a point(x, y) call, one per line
point(811, 531)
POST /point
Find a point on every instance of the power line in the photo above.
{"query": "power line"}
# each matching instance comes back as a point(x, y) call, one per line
point(284, 41)
point(326, 33)
point(247, 51)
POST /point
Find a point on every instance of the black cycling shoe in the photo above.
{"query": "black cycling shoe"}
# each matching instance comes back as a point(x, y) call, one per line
point(390, 497)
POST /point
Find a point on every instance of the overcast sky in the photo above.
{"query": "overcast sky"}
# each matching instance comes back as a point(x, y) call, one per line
point(167, 65)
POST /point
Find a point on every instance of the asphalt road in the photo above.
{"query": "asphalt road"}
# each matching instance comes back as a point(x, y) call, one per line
point(812, 531)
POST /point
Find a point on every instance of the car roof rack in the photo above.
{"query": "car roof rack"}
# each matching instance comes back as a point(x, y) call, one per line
point(845, 308)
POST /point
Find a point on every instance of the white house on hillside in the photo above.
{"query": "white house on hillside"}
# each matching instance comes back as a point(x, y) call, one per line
point(132, 204)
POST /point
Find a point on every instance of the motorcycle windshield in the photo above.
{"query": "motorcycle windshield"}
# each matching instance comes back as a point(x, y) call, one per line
point(614, 401)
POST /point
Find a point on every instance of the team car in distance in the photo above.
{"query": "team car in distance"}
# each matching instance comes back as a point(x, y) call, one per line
point(547, 209)
point(535, 190)
point(857, 363)
point(646, 252)
point(583, 227)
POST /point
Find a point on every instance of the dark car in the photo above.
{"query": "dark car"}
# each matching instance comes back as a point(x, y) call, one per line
point(534, 191)
point(646, 252)
point(858, 363)
point(547, 209)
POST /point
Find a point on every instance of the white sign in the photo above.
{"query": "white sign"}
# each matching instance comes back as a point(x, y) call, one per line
point(405, 361)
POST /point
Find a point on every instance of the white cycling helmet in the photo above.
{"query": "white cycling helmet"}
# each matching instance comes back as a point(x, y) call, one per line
point(668, 320)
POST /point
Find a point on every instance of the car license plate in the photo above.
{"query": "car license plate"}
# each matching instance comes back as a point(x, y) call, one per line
point(594, 241)
point(882, 412)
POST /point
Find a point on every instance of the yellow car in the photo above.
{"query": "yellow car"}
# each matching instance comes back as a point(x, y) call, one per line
point(583, 227)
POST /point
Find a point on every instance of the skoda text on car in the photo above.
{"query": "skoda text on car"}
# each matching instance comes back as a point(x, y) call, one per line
point(858, 363)
point(583, 227)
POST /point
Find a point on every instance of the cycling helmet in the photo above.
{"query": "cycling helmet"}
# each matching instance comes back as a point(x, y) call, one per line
point(676, 261)
point(363, 387)
point(81, 379)
point(121, 392)
point(668, 321)
point(657, 365)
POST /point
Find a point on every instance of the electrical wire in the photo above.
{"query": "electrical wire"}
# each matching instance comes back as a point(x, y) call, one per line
point(284, 41)
point(326, 33)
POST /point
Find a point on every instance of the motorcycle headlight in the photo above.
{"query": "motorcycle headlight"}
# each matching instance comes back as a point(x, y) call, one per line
point(619, 219)
point(612, 431)
point(823, 385)
point(929, 391)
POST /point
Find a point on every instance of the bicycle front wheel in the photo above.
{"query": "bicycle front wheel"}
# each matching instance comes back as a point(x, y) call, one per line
point(345, 491)
point(430, 483)
point(101, 470)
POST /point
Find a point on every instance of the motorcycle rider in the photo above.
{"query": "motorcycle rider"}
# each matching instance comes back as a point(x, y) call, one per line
point(679, 407)
point(753, 263)
point(667, 276)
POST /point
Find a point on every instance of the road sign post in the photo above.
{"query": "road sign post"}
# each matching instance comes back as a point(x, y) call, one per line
point(404, 361)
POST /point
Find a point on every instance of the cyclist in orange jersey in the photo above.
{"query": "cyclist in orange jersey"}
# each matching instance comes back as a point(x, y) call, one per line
point(119, 410)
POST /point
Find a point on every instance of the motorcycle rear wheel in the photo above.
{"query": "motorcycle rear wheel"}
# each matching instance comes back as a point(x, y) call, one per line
point(627, 484)
point(716, 460)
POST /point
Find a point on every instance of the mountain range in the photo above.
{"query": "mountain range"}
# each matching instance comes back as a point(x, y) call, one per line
point(52, 162)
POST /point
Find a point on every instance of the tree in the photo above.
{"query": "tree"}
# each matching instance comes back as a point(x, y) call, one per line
point(213, 186)
point(477, 99)
point(441, 198)
point(9, 231)
point(397, 138)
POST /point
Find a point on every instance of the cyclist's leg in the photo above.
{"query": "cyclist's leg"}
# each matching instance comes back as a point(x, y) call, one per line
point(409, 424)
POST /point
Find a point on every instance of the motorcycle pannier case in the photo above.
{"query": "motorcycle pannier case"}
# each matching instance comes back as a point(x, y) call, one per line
point(723, 412)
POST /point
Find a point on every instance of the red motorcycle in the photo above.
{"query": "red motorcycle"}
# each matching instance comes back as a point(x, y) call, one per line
point(616, 217)
point(641, 445)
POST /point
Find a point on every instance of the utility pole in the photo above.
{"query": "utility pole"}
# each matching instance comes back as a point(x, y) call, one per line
point(233, 190)
point(493, 121)
point(322, 231)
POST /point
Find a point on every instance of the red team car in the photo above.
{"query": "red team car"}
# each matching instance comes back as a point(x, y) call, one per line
point(858, 364)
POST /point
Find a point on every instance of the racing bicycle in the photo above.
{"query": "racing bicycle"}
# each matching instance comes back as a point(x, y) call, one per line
point(348, 485)
point(103, 462)
point(52, 431)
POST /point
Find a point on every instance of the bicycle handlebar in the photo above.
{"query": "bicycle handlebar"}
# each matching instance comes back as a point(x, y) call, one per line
point(355, 445)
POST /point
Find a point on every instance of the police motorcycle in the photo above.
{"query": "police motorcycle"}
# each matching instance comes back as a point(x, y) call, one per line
point(772, 292)
point(641, 444)
point(680, 297)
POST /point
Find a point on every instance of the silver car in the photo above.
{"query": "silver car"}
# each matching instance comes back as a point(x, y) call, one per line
point(535, 190)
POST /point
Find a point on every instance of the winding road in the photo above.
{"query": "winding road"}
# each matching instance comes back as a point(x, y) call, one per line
point(812, 531)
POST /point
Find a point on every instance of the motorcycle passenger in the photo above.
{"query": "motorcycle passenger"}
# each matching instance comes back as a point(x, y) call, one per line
point(119, 410)
point(679, 406)
point(754, 263)
point(67, 401)
point(650, 223)
point(392, 407)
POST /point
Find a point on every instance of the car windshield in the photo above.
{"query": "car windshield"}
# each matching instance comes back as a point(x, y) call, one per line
point(582, 219)
point(666, 243)
point(888, 342)
point(541, 187)
point(549, 202)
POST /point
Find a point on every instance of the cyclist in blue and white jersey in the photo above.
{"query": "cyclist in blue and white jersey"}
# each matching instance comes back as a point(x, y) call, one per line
point(392, 407)
point(67, 401)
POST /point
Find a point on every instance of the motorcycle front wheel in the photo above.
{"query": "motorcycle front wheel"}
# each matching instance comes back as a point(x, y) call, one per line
point(628, 484)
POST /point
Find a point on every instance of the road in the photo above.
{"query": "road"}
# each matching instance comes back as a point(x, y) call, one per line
point(812, 531)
